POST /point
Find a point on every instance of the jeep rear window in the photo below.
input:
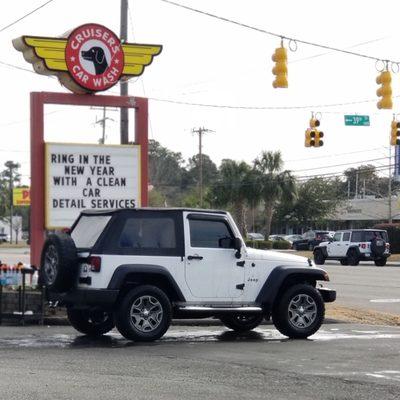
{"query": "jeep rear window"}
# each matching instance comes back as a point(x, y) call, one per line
point(367, 236)
point(88, 229)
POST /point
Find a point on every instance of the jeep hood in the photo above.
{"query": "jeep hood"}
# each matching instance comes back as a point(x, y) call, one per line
point(271, 255)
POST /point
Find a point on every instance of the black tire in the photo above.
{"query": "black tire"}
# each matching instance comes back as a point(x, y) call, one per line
point(289, 321)
point(352, 257)
point(381, 262)
point(344, 261)
point(91, 323)
point(319, 258)
point(59, 262)
point(148, 325)
point(242, 322)
point(294, 246)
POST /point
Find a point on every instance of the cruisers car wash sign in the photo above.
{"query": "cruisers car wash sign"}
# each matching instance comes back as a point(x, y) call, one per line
point(90, 59)
point(97, 177)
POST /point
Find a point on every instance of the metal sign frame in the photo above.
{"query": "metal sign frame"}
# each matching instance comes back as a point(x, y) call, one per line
point(37, 103)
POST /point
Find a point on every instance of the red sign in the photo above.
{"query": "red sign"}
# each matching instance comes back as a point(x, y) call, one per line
point(94, 57)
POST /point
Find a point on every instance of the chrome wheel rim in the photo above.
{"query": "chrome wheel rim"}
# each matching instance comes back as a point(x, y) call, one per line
point(146, 313)
point(50, 264)
point(302, 311)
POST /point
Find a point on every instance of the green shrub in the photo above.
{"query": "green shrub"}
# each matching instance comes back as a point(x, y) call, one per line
point(259, 244)
point(281, 245)
point(393, 231)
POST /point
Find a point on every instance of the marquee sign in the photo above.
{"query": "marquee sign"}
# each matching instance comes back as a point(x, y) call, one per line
point(89, 60)
point(89, 177)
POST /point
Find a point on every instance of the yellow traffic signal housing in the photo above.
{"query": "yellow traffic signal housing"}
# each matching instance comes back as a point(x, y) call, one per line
point(310, 138)
point(385, 91)
point(314, 123)
point(318, 138)
point(395, 133)
point(280, 70)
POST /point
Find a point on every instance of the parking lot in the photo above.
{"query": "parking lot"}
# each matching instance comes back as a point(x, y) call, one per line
point(204, 360)
point(342, 361)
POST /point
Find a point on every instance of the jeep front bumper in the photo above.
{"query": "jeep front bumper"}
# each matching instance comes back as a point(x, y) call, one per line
point(328, 295)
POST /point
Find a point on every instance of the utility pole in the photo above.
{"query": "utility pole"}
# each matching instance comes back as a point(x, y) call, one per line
point(124, 127)
point(102, 122)
point(201, 132)
point(11, 167)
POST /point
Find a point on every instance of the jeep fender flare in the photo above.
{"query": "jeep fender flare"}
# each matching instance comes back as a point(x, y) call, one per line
point(281, 276)
point(323, 249)
point(126, 274)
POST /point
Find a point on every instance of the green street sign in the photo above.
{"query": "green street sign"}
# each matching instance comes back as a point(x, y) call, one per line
point(356, 120)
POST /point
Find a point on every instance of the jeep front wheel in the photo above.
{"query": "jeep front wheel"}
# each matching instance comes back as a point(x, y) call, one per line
point(91, 322)
point(319, 258)
point(299, 312)
point(242, 322)
point(144, 314)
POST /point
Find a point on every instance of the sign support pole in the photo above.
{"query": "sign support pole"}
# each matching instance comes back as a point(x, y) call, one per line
point(37, 102)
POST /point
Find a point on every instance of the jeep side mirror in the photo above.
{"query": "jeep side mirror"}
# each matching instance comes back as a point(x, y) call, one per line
point(237, 245)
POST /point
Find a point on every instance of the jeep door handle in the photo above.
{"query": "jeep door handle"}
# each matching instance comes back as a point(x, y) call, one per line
point(195, 257)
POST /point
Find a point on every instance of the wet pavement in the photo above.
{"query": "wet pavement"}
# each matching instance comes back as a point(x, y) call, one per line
point(341, 361)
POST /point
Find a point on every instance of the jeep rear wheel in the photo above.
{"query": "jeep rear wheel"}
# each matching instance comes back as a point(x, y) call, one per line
point(352, 257)
point(299, 312)
point(319, 258)
point(92, 323)
point(144, 314)
point(380, 262)
point(242, 322)
point(59, 262)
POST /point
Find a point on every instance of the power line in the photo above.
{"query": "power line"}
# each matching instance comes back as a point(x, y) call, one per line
point(243, 25)
point(26, 15)
point(314, 106)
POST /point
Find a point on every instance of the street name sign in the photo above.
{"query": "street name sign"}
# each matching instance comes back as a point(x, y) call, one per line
point(356, 120)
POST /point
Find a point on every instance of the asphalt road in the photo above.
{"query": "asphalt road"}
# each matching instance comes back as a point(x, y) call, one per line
point(366, 286)
point(341, 361)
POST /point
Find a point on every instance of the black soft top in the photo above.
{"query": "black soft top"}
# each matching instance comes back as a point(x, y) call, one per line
point(161, 209)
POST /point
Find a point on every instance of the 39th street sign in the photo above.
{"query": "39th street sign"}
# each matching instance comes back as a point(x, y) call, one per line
point(356, 120)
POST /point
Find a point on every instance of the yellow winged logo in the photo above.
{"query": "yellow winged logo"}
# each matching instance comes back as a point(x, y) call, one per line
point(49, 57)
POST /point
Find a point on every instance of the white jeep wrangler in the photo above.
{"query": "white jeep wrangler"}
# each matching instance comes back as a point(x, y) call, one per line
point(138, 268)
point(352, 246)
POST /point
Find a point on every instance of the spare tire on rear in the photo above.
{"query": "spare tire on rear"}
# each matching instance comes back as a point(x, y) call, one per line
point(59, 262)
point(378, 246)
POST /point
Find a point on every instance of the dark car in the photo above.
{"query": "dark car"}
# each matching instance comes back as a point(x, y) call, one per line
point(310, 240)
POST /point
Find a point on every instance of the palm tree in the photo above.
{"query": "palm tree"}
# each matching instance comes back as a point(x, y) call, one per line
point(275, 185)
point(234, 188)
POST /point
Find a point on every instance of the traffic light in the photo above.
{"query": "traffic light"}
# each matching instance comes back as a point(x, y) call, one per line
point(395, 133)
point(310, 138)
point(280, 70)
point(385, 91)
point(313, 136)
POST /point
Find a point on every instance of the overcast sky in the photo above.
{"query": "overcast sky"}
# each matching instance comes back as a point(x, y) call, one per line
point(209, 61)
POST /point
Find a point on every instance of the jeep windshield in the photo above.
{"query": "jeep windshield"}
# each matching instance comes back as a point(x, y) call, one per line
point(88, 230)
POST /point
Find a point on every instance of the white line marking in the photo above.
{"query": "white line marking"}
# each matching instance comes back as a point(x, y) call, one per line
point(385, 301)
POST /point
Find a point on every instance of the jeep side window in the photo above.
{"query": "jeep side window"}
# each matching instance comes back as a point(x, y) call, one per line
point(148, 233)
point(356, 236)
point(337, 237)
point(207, 233)
point(346, 236)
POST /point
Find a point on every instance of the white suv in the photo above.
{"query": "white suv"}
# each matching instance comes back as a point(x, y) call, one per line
point(352, 246)
point(138, 268)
